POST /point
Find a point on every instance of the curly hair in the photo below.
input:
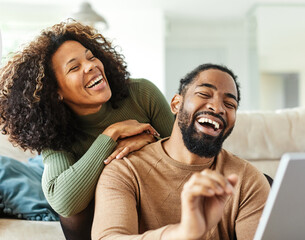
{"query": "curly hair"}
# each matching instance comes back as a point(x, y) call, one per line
point(31, 112)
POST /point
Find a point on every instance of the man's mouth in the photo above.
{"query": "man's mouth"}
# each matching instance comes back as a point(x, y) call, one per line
point(94, 82)
point(206, 122)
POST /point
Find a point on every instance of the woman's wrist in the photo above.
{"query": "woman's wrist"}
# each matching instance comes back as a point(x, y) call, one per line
point(112, 132)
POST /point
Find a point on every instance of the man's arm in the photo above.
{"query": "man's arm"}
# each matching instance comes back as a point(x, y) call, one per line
point(116, 213)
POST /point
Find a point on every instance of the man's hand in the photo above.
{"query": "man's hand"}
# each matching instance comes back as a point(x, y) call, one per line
point(202, 202)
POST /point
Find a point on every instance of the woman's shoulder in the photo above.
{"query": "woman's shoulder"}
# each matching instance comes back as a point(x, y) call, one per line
point(141, 83)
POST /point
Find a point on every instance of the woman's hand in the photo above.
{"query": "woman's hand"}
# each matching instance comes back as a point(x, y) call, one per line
point(130, 144)
point(128, 128)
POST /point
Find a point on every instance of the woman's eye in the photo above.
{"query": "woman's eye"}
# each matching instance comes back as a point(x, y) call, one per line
point(73, 68)
point(92, 57)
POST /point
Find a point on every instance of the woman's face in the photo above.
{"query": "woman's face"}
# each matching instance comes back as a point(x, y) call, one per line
point(81, 78)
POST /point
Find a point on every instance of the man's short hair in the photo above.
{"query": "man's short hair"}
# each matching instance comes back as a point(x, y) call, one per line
point(188, 79)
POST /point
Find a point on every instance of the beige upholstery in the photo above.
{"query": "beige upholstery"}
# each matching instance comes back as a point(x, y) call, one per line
point(260, 137)
point(11, 229)
point(263, 137)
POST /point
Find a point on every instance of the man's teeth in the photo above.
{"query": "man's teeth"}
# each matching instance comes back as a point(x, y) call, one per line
point(92, 83)
point(206, 120)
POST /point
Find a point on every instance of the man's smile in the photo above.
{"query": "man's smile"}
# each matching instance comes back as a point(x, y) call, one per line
point(209, 124)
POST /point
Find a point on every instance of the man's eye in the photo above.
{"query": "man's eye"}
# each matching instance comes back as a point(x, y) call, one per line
point(204, 94)
point(230, 105)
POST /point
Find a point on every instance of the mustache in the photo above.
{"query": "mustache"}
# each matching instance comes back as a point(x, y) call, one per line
point(212, 114)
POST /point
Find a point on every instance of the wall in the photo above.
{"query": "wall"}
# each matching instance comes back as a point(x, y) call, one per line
point(189, 44)
point(281, 51)
point(139, 32)
point(142, 40)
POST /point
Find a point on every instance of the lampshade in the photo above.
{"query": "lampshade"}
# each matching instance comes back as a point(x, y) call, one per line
point(85, 14)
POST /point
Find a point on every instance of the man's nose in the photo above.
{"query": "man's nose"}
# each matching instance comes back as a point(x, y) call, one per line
point(216, 106)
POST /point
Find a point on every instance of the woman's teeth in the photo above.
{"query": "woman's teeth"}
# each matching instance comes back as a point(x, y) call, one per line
point(95, 82)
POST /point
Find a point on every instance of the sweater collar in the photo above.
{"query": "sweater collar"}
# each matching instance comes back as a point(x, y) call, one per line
point(191, 167)
point(95, 118)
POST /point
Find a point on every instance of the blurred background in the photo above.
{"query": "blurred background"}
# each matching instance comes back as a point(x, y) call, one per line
point(263, 42)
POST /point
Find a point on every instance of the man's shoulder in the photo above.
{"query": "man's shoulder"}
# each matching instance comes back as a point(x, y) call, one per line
point(147, 153)
point(139, 159)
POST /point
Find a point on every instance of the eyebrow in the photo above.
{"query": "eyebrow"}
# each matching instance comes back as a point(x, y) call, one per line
point(230, 95)
point(73, 59)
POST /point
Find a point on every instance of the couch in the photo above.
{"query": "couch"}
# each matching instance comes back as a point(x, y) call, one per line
point(259, 137)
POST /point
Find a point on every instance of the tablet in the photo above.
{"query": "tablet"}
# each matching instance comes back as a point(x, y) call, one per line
point(283, 217)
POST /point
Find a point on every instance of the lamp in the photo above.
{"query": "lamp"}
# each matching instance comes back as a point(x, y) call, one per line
point(87, 15)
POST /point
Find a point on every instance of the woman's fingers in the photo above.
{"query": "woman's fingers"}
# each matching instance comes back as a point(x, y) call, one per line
point(129, 128)
point(123, 153)
point(113, 155)
point(130, 144)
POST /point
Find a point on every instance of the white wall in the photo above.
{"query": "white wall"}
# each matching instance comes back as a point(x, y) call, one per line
point(140, 34)
point(138, 31)
point(189, 44)
point(281, 49)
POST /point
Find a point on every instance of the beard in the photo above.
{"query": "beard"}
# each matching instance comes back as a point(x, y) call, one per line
point(201, 144)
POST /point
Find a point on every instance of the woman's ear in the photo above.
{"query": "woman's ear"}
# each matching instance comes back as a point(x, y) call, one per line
point(175, 103)
point(60, 96)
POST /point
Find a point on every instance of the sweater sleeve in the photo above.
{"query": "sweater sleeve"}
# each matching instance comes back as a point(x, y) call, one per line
point(68, 184)
point(116, 206)
point(253, 195)
point(156, 107)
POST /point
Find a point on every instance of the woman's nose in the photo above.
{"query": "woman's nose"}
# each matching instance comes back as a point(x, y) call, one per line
point(89, 66)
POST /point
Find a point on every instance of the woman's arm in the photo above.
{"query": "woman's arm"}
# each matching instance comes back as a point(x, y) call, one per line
point(68, 184)
point(154, 104)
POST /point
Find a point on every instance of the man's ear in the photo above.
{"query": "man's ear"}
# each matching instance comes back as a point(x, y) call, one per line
point(176, 103)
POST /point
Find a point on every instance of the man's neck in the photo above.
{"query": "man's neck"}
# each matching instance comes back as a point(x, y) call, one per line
point(175, 149)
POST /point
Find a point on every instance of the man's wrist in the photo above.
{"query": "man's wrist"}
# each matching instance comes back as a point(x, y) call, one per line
point(174, 232)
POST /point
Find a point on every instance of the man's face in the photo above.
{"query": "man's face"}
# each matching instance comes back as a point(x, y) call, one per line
point(207, 114)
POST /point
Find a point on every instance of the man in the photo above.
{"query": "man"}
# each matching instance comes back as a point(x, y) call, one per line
point(185, 186)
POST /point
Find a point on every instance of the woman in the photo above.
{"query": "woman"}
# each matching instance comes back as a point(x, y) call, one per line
point(68, 95)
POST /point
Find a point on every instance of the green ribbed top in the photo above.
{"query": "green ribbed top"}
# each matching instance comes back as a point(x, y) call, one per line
point(69, 178)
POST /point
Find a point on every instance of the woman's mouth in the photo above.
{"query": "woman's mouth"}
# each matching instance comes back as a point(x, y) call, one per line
point(95, 82)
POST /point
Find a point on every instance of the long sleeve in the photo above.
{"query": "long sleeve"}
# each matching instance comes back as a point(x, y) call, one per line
point(68, 185)
point(70, 177)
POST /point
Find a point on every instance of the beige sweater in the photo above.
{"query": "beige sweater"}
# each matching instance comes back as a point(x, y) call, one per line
point(138, 197)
